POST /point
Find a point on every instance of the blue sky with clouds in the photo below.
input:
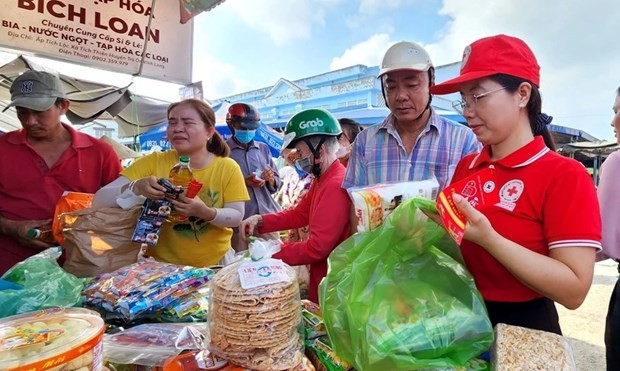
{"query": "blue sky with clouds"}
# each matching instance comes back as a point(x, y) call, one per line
point(253, 43)
point(249, 44)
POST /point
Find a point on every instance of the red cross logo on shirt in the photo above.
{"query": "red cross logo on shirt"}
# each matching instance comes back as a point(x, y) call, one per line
point(512, 191)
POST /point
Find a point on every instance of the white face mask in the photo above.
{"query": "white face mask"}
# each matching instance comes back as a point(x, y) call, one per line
point(343, 151)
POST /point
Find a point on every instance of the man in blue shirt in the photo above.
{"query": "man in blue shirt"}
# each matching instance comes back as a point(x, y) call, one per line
point(257, 165)
point(413, 142)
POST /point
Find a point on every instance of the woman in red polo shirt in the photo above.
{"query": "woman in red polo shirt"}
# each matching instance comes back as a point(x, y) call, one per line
point(537, 245)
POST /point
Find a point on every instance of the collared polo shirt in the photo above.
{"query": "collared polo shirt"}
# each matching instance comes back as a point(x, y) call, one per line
point(547, 201)
point(29, 189)
point(379, 156)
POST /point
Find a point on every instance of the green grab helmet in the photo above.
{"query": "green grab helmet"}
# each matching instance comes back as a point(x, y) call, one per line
point(312, 121)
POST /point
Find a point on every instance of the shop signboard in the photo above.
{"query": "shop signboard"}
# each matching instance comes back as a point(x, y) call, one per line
point(109, 34)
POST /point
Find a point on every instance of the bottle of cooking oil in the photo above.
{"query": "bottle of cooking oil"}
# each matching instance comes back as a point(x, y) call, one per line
point(42, 234)
point(180, 175)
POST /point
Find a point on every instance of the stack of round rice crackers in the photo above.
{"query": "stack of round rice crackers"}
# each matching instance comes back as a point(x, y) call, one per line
point(258, 328)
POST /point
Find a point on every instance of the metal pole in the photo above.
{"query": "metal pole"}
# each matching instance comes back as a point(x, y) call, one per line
point(595, 170)
point(146, 39)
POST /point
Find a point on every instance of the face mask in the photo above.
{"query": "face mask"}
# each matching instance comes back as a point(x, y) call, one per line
point(304, 164)
point(343, 151)
point(300, 172)
point(245, 136)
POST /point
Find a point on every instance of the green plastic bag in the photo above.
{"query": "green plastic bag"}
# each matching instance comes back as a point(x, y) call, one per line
point(45, 285)
point(399, 298)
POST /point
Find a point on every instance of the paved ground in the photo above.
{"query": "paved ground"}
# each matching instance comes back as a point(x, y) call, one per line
point(586, 325)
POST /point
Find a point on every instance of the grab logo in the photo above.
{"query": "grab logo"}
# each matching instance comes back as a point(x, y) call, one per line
point(311, 123)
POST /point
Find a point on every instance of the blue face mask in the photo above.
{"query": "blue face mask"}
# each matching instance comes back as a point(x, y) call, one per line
point(300, 172)
point(245, 136)
point(304, 164)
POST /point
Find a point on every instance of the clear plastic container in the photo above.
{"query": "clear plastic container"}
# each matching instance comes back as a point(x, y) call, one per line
point(54, 339)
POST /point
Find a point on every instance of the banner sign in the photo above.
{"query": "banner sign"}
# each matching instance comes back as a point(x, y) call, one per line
point(272, 138)
point(107, 34)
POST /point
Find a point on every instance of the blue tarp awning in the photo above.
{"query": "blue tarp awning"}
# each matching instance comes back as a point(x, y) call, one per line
point(157, 137)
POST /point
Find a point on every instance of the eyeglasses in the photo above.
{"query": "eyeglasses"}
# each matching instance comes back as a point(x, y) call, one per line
point(460, 105)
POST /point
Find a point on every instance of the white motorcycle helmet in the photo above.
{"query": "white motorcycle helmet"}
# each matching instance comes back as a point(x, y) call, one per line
point(405, 55)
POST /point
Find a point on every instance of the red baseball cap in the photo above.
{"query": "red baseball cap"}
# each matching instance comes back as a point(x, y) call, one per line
point(490, 56)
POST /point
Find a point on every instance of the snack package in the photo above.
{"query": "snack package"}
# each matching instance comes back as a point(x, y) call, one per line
point(171, 191)
point(192, 307)
point(151, 220)
point(145, 288)
point(374, 203)
point(478, 189)
point(313, 320)
point(519, 348)
point(321, 353)
point(318, 347)
point(152, 344)
point(255, 314)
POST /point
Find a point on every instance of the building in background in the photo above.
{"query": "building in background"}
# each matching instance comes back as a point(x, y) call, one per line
point(353, 92)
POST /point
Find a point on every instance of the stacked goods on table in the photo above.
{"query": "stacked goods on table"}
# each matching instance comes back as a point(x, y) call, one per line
point(518, 348)
point(256, 324)
point(56, 339)
point(149, 288)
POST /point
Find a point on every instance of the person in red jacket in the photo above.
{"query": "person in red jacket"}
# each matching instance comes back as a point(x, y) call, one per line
point(326, 206)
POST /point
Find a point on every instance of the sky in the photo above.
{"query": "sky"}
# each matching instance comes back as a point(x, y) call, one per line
point(244, 45)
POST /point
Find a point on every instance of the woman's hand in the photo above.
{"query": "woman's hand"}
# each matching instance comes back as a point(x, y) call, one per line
point(186, 206)
point(248, 226)
point(478, 228)
point(149, 188)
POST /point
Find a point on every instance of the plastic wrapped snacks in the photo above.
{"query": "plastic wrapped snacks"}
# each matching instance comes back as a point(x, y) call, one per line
point(399, 298)
point(45, 285)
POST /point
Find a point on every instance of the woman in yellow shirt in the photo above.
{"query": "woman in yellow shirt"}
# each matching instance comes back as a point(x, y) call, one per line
point(204, 238)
